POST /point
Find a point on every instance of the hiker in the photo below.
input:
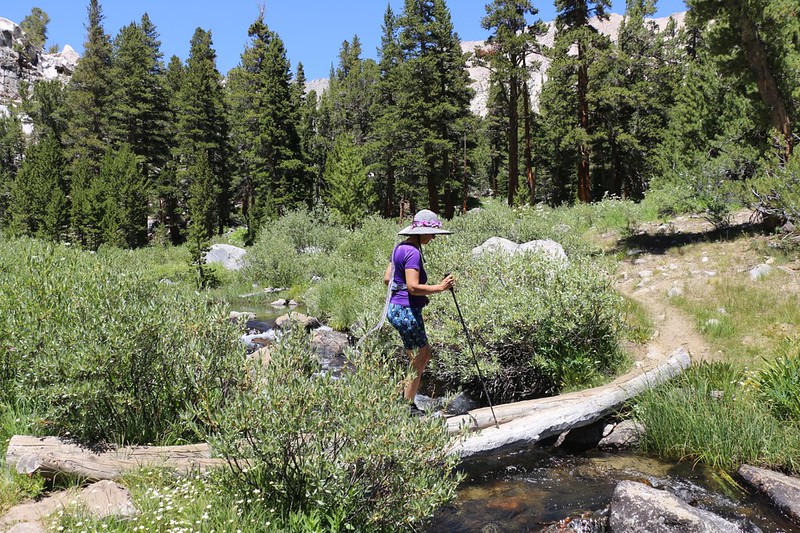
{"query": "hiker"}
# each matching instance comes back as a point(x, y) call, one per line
point(410, 293)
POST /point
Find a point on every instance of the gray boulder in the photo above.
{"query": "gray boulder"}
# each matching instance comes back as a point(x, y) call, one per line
point(626, 434)
point(328, 343)
point(635, 507)
point(761, 271)
point(231, 257)
point(783, 491)
point(548, 247)
point(309, 322)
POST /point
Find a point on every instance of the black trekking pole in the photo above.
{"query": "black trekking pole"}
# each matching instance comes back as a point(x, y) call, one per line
point(475, 359)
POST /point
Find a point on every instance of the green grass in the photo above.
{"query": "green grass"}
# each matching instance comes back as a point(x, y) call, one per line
point(747, 321)
point(711, 414)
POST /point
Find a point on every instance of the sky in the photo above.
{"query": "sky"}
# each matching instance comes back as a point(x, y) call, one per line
point(312, 30)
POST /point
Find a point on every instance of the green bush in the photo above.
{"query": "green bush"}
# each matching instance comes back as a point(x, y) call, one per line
point(779, 384)
point(343, 450)
point(777, 192)
point(104, 352)
point(709, 414)
point(538, 326)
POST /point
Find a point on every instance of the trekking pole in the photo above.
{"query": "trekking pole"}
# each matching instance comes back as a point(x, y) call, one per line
point(475, 359)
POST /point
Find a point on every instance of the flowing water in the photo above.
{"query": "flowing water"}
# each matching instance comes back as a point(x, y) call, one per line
point(535, 489)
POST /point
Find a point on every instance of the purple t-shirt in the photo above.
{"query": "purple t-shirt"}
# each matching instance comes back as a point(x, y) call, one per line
point(407, 256)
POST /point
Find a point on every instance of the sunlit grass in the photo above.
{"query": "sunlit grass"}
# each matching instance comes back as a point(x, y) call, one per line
point(747, 321)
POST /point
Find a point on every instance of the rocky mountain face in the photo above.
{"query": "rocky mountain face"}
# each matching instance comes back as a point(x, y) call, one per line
point(23, 63)
point(480, 75)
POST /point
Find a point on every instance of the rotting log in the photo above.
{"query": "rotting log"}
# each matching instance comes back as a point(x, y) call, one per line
point(52, 455)
point(528, 422)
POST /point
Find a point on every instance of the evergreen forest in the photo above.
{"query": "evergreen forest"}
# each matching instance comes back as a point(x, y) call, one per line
point(136, 148)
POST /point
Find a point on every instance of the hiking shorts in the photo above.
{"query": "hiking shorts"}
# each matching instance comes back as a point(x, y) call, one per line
point(408, 322)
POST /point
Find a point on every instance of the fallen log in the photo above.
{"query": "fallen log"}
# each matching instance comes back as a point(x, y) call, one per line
point(51, 455)
point(530, 421)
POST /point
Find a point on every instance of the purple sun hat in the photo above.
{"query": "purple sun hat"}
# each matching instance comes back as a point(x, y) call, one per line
point(426, 222)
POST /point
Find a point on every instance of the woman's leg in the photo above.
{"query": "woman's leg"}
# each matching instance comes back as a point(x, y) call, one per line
point(419, 363)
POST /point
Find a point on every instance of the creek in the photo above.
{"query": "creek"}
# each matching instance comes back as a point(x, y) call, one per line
point(540, 488)
point(534, 489)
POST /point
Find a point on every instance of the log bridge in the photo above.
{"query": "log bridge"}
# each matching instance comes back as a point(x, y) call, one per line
point(474, 434)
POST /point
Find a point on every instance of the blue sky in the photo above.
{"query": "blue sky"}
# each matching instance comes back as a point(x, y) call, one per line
point(312, 30)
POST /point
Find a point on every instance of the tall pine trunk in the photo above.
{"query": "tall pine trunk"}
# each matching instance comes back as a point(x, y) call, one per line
point(756, 56)
point(513, 138)
point(584, 178)
point(526, 98)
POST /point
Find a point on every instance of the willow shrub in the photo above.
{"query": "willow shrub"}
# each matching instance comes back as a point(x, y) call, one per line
point(102, 351)
point(711, 414)
point(345, 451)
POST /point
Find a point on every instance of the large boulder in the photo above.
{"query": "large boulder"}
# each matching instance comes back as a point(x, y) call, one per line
point(635, 507)
point(783, 491)
point(231, 257)
point(548, 247)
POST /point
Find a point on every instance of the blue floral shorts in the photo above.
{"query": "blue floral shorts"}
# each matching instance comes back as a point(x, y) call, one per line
point(408, 322)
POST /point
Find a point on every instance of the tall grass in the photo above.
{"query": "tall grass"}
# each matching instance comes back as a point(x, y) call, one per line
point(710, 414)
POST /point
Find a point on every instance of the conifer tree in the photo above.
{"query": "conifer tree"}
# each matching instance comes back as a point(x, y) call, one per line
point(349, 191)
point(12, 147)
point(34, 26)
point(202, 214)
point(202, 124)
point(759, 38)
point(46, 108)
point(573, 29)
point(139, 108)
point(166, 183)
point(386, 142)
point(505, 54)
point(124, 195)
point(263, 109)
point(88, 94)
point(435, 94)
point(38, 205)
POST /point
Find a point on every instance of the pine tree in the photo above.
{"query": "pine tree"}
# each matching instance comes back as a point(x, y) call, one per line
point(435, 94)
point(270, 164)
point(386, 142)
point(202, 214)
point(166, 184)
point(572, 23)
point(12, 147)
point(46, 108)
point(124, 194)
point(88, 94)
point(139, 107)
point(202, 124)
point(505, 54)
point(38, 205)
point(349, 190)
point(34, 27)
point(759, 38)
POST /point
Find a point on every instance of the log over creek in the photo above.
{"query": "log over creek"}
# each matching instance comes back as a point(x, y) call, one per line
point(521, 423)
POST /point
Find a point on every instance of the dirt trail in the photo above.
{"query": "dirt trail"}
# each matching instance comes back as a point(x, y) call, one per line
point(663, 261)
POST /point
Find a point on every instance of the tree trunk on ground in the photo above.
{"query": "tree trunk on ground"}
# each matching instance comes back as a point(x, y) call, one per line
point(52, 455)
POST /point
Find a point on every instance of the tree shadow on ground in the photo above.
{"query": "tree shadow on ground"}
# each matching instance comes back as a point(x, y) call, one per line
point(660, 241)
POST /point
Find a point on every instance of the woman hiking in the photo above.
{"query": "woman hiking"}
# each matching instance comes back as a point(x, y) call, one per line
point(410, 293)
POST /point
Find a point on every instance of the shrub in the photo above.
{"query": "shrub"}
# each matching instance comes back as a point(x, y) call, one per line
point(779, 384)
point(777, 193)
point(345, 450)
point(103, 351)
point(538, 326)
point(709, 414)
